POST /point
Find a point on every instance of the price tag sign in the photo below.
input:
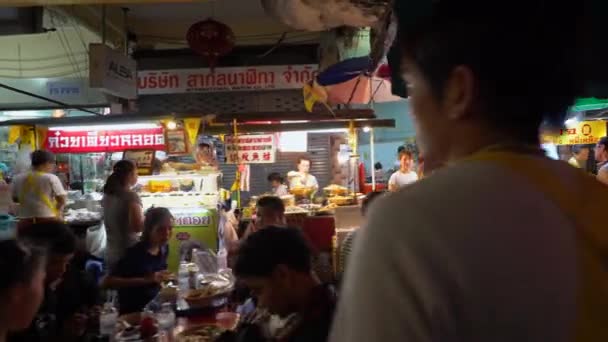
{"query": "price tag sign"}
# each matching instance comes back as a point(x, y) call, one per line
point(144, 159)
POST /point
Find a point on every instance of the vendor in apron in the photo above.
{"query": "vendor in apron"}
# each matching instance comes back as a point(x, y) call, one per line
point(302, 177)
point(40, 194)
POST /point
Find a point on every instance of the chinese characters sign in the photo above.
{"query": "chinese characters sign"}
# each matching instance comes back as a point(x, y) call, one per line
point(153, 82)
point(250, 149)
point(104, 141)
point(584, 132)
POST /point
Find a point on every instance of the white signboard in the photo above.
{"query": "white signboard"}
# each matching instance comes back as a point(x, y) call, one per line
point(153, 82)
point(250, 149)
point(112, 71)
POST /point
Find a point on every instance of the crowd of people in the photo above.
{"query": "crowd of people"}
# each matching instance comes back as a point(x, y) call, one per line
point(497, 243)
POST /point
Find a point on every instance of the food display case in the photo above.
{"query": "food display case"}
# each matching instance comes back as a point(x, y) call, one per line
point(192, 199)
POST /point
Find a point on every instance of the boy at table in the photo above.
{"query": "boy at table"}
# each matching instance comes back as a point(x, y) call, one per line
point(275, 263)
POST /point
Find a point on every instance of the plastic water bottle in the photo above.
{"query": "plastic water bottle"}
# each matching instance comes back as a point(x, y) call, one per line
point(222, 259)
point(108, 319)
point(166, 317)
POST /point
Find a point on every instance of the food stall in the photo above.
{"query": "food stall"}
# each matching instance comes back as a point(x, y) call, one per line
point(575, 136)
point(168, 173)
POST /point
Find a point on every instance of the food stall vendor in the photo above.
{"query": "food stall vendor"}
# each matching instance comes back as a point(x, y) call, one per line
point(276, 183)
point(302, 177)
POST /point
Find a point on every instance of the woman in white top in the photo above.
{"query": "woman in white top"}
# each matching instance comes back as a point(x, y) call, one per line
point(404, 175)
point(122, 211)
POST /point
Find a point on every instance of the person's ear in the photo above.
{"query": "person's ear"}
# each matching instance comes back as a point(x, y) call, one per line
point(460, 92)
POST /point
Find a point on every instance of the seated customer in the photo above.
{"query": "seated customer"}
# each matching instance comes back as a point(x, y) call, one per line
point(21, 285)
point(53, 320)
point(138, 275)
point(270, 211)
point(275, 263)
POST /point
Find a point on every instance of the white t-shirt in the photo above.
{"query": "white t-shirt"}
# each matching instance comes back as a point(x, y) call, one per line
point(32, 204)
point(300, 179)
point(400, 179)
point(472, 253)
point(602, 174)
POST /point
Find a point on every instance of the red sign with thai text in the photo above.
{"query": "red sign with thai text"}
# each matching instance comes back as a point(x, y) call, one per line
point(104, 141)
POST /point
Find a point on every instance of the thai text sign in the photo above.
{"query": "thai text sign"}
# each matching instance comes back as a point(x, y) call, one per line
point(153, 82)
point(582, 133)
point(250, 149)
point(58, 141)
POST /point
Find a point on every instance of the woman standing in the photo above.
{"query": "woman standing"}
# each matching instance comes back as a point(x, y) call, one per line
point(122, 211)
point(138, 275)
point(21, 285)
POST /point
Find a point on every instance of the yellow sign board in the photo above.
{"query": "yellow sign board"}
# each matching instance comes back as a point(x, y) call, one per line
point(580, 133)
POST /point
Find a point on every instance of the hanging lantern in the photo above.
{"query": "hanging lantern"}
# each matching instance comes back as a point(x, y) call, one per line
point(211, 39)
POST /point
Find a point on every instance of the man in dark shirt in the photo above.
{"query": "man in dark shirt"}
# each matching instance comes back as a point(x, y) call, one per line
point(275, 263)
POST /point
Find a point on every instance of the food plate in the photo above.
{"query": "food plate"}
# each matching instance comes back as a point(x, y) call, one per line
point(201, 333)
point(212, 286)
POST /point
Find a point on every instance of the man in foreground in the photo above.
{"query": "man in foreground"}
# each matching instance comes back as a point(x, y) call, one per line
point(501, 243)
point(601, 156)
point(275, 263)
point(67, 307)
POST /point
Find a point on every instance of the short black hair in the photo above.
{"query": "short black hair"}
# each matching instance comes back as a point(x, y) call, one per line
point(400, 149)
point(41, 157)
point(604, 142)
point(576, 149)
point(524, 68)
point(18, 262)
point(378, 166)
point(275, 176)
point(267, 248)
point(273, 203)
point(303, 158)
point(406, 153)
point(204, 145)
point(56, 237)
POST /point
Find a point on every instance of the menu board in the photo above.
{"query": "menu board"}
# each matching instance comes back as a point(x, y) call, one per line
point(144, 159)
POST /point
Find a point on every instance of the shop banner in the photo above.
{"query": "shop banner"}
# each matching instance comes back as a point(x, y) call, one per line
point(112, 71)
point(58, 141)
point(582, 133)
point(276, 77)
point(250, 149)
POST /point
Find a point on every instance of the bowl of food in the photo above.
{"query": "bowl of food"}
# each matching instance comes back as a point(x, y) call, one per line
point(335, 190)
point(302, 191)
point(210, 288)
point(201, 333)
point(186, 184)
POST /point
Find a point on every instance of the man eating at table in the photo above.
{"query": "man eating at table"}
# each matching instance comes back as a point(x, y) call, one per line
point(275, 263)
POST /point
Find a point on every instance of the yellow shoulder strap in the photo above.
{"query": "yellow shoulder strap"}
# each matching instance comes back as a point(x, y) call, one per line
point(585, 201)
point(29, 185)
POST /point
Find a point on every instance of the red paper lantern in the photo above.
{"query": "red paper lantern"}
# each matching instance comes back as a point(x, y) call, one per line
point(211, 39)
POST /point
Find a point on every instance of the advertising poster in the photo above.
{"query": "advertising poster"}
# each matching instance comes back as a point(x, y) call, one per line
point(195, 228)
